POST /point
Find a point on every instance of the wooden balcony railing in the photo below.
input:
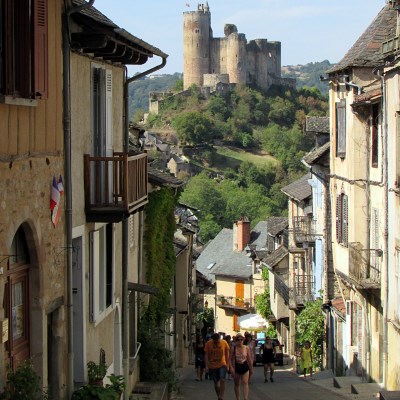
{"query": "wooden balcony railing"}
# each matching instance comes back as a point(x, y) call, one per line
point(115, 186)
point(234, 302)
point(365, 265)
point(304, 229)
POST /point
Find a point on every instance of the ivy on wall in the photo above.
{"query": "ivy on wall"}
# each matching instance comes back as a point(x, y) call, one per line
point(156, 361)
point(310, 326)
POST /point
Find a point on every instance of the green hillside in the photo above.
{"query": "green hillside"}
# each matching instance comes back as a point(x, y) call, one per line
point(244, 146)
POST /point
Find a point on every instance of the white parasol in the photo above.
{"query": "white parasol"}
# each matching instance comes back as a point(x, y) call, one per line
point(252, 322)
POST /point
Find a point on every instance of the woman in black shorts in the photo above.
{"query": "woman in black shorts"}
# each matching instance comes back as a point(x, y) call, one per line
point(268, 359)
point(199, 358)
point(242, 366)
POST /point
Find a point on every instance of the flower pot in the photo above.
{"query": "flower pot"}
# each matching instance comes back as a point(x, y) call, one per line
point(98, 382)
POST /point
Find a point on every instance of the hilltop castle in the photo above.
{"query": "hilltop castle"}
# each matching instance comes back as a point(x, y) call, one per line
point(231, 59)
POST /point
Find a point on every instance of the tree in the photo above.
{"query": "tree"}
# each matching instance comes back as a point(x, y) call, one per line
point(192, 127)
point(310, 326)
point(263, 302)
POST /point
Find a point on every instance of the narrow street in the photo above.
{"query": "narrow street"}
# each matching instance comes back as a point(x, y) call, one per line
point(286, 386)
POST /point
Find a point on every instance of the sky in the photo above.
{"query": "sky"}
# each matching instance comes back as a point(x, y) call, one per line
point(309, 30)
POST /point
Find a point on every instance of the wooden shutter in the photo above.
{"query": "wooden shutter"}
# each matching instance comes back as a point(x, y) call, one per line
point(41, 49)
point(341, 128)
point(239, 291)
point(374, 236)
point(235, 325)
point(338, 219)
point(109, 114)
point(17, 48)
point(94, 274)
point(345, 225)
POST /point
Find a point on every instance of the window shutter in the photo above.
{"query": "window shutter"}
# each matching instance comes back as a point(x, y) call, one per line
point(7, 51)
point(338, 219)
point(41, 49)
point(235, 326)
point(374, 235)
point(109, 114)
point(345, 225)
point(341, 128)
point(94, 276)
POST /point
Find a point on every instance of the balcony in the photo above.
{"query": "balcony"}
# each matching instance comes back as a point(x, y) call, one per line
point(238, 303)
point(365, 266)
point(302, 292)
point(304, 230)
point(115, 186)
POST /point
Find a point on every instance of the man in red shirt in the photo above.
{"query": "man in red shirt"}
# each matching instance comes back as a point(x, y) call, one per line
point(217, 362)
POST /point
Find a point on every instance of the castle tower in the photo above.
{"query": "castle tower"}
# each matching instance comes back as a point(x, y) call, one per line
point(197, 35)
point(236, 57)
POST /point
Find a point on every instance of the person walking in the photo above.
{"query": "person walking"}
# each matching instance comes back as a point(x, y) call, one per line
point(199, 358)
point(306, 358)
point(268, 358)
point(217, 363)
point(228, 339)
point(242, 366)
point(251, 344)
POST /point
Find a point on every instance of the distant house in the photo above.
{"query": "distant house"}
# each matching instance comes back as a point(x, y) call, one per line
point(177, 165)
point(225, 262)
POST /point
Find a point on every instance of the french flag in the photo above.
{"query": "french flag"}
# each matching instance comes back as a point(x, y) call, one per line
point(57, 189)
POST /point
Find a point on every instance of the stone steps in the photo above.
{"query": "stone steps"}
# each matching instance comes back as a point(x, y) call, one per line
point(353, 387)
point(389, 395)
point(150, 391)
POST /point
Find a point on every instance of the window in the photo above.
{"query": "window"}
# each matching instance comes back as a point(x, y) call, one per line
point(374, 134)
point(102, 111)
point(101, 271)
point(342, 219)
point(23, 48)
point(341, 129)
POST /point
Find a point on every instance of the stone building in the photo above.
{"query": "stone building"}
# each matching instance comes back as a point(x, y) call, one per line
point(231, 59)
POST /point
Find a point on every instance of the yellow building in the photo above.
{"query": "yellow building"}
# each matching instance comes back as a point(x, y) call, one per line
point(226, 262)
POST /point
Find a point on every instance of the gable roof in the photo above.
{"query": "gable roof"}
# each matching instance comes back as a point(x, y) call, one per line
point(276, 256)
point(314, 155)
point(100, 36)
point(366, 51)
point(300, 189)
point(219, 258)
point(317, 124)
point(276, 225)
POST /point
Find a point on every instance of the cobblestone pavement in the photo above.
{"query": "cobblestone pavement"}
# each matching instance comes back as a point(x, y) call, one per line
point(287, 385)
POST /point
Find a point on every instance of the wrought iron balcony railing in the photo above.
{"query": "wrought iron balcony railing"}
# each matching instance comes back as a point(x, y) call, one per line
point(365, 265)
point(302, 290)
point(234, 302)
point(304, 229)
point(115, 186)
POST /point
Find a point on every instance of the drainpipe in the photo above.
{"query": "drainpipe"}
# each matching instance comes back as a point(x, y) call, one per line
point(125, 234)
point(385, 270)
point(68, 186)
point(368, 244)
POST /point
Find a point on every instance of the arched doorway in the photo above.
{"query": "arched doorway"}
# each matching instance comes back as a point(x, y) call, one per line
point(16, 300)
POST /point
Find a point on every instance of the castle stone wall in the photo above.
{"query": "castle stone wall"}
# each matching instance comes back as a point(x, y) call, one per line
point(257, 62)
point(197, 35)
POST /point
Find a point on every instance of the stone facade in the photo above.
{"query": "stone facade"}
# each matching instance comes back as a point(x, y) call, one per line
point(257, 62)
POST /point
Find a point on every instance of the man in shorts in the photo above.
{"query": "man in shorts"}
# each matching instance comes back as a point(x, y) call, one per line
point(217, 362)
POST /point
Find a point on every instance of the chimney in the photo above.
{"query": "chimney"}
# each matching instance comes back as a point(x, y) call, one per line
point(241, 234)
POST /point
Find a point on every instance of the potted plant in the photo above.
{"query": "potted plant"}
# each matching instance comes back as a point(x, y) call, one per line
point(96, 373)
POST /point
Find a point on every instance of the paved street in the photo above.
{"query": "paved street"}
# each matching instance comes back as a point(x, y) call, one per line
point(287, 386)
